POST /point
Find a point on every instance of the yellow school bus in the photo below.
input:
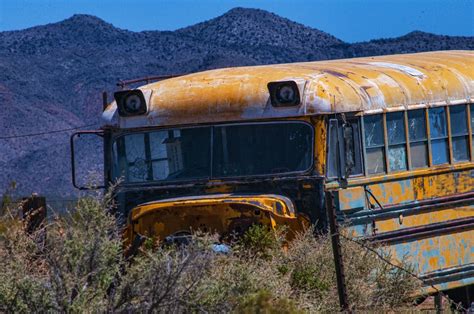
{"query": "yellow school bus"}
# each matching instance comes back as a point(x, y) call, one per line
point(391, 137)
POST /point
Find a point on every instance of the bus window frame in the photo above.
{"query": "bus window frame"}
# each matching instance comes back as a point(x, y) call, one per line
point(446, 138)
point(465, 135)
point(390, 146)
point(307, 171)
point(449, 139)
point(384, 145)
point(425, 141)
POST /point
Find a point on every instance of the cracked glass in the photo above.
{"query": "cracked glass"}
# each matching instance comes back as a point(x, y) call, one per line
point(418, 138)
point(397, 153)
point(374, 144)
point(459, 132)
point(438, 135)
point(233, 150)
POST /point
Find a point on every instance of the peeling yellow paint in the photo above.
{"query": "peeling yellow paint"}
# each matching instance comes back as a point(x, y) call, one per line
point(350, 85)
point(221, 213)
point(421, 219)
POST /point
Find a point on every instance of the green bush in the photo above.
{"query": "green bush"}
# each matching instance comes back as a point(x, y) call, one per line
point(308, 278)
point(261, 240)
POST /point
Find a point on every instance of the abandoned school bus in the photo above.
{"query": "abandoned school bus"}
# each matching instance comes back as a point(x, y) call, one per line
point(390, 136)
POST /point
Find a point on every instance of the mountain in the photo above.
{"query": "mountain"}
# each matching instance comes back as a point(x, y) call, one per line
point(266, 36)
point(415, 41)
point(51, 76)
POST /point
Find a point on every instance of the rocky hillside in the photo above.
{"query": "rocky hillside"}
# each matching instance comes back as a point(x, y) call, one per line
point(51, 76)
point(415, 41)
point(265, 37)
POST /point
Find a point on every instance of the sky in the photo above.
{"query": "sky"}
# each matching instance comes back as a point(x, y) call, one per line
point(349, 20)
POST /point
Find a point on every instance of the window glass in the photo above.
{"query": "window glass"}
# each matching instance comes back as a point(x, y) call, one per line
point(237, 150)
point(190, 156)
point(438, 122)
point(397, 156)
point(458, 117)
point(135, 157)
point(439, 138)
point(460, 148)
point(417, 125)
point(135, 144)
point(419, 155)
point(439, 150)
point(374, 143)
point(159, 155)
point(472, 118)
point(396, 128)
point(459, 132)
point(241, 150)
point(418, 140)
point(375, 160)
point(373, 128)
point(397, 153)
point(164, 155)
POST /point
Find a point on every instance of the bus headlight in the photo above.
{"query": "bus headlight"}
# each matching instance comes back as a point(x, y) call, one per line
point(130, 103)
point(283, 94)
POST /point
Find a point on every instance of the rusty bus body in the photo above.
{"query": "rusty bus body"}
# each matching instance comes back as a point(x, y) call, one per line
point(409, 186)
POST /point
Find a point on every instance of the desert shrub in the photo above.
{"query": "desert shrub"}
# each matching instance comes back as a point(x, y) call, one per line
point(371, 282)
point(6, 200)
point(236, 278)
point(74, 264)
point(263, 302)
point(79, 267)
point(261, 240)
point(162, 280)
point(311, 272)
point(307, 277)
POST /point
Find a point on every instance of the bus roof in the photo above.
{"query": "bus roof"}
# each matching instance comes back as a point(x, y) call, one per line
point(371, 84)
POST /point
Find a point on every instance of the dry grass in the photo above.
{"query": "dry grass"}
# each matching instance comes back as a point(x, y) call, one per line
point(79, 267)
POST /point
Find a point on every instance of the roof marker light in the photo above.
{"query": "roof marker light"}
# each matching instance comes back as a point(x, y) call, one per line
point(284, 94)
point(130, 103)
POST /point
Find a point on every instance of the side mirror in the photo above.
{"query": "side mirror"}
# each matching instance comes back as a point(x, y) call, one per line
point(99, 133)
point(349, 149)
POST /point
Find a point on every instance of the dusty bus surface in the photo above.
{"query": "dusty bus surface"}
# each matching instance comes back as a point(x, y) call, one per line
point(390, 136)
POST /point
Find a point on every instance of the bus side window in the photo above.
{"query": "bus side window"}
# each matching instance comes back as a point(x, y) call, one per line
point(439, 135)
point(374, 144)
point(397, 151)
point(459, 133)
point(418, 138)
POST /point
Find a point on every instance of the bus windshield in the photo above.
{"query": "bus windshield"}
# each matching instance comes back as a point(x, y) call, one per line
point(213, 152)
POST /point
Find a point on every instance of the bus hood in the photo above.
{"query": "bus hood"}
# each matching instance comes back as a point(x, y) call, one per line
point(225, 214)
